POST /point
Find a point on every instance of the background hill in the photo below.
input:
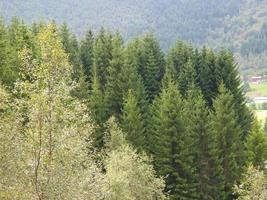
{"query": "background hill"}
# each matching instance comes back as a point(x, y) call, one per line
point(235, 24)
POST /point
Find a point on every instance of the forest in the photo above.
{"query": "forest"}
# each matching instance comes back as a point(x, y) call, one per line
point(234, 24)
point(99, 118)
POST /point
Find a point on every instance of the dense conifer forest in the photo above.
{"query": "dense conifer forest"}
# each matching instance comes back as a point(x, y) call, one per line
point(100, 118)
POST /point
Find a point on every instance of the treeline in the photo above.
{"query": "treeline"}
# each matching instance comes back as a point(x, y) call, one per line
point(78, 117)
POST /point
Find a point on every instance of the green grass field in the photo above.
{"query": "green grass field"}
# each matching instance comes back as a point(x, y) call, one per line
point(258, 90)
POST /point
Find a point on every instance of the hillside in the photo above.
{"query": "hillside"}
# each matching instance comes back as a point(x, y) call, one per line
point(235, 24)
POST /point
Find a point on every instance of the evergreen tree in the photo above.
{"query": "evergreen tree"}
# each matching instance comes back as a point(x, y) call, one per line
point(227, 72)
point(256, 146)
point(208, 175)
point(7, 74)
point(113, 90)
point(227, 130)
point(71, 47)
point(86, 52)
point(98, 111)
point(132, 121)
point(74, 58)
point(187, 77)
point(170, 145)
point(153, 68)
point(178, 56)
point(207, 77)
point(102, 54)
point(131, 79)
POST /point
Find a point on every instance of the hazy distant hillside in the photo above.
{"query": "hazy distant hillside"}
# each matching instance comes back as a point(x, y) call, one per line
point(232, 23)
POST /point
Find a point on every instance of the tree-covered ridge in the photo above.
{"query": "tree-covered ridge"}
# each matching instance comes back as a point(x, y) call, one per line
point(104, 119)
point(237, 25)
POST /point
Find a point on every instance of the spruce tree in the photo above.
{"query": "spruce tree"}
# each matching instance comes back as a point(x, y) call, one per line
point(256, 146)
point(208, 175)
point(187, 77)
point(132, 122)
point(207, 79)
point(102, 54)
point(227, 130)
point(227, 71)
point(153, 68)
point(168, 142)
point(113, 90)
point(178, 56)
point(98, 111)
point(86, 52)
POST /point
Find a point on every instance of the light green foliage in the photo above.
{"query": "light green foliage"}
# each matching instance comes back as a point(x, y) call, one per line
point(57, 127)
point(12, 177)
point(256, 146)
point(129, 175)
point(253, 185)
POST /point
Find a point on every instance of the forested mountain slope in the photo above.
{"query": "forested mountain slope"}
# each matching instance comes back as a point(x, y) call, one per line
point(236, 24)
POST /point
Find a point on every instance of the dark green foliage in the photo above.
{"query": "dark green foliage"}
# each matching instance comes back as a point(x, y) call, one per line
point(132, 121)
point(228, 133)
point(208, 175)
point(178, 56)
point(208, 81)
point(171, 146)
point(152, 70)
point(86, 52)
point(113, 90)
point(71, 47)
point(228, 73)
point(102, 54)
point(256, 146)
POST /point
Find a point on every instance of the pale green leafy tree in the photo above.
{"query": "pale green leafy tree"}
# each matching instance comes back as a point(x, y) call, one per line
point(253, 186)
point(58, 128)
point(130, 176)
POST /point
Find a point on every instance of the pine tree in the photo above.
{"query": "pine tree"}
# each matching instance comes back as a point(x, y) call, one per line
point(168, 142)
point(208, 174)
point(227, 130)
point(132, 121)
point(113, 90)
point(86, 52)
point(256, 146)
